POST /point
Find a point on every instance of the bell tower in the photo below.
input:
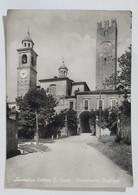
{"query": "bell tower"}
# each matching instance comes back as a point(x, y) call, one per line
point(63, 71)
point(27, 66)
point(106, 54)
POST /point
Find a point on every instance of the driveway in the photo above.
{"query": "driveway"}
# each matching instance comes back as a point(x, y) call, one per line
point(70, 163)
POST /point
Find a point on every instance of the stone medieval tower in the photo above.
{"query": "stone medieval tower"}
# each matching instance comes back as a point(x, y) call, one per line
point(106, 54)
point(26, 70)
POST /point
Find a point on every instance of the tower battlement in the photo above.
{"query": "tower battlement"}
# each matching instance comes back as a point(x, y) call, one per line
point(106, 24)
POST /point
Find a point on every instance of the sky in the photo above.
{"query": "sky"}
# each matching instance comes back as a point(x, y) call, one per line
point(57, 34)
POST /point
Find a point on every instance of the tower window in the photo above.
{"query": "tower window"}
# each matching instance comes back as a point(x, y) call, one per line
point(24, 59)
point(105, 32)
point(24, 44)
point(28, 44)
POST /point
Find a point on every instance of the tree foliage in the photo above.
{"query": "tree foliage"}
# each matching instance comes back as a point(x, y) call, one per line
point(123, 77)
point(58, 121)
point(108, 118)
point(7, 110)
point(34, 101)
point(123, 81)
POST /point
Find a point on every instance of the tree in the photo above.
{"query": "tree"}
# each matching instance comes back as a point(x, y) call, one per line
point(72, 121)
point(108, 118)
point(58, 121)
point(123, 77)
point(123, 81)
point(36, 108)
point(7, 110)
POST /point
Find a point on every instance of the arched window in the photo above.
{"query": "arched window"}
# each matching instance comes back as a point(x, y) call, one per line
point(24, 44)
point(24, 59)
point(105, 32)
point(53, 89)
point(28, 44)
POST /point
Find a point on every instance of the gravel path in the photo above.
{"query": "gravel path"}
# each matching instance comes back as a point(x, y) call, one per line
point(70, 162)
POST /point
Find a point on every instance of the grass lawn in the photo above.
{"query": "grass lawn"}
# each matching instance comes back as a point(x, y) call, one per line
point(119, 153)
point(29, 145)
point(41, 140)
point(32, 148)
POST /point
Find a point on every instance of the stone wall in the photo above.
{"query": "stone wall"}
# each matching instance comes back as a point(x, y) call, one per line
point(61, 87)
point(12, 136)
point(125, 128)
point(76, 87)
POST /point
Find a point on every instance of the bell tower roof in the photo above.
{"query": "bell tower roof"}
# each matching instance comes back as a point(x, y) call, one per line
point(63, 66)
point(63, 70)
point(28, 38)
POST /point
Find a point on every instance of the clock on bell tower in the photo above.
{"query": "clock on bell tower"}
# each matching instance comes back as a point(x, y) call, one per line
point(27, 66)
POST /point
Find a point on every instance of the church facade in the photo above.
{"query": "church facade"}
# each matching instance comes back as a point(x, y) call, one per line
point(64, 89)
point(71, 94)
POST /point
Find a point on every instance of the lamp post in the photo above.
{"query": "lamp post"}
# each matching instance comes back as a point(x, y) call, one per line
point(100, 114)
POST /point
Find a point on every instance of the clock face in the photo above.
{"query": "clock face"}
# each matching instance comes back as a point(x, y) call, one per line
point(23, 74)
point(105, 49)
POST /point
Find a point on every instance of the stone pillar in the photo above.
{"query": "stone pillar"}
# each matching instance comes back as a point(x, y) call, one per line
point(118, 125)
point(78, 127)
point(97, 128)
point(66, 125)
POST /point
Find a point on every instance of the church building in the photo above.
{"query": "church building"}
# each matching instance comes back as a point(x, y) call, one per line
point(71, 94)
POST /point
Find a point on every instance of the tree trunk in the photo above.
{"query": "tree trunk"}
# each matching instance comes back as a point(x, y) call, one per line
point(37, 128)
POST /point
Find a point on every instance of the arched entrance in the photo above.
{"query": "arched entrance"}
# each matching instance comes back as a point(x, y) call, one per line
point(84, 121)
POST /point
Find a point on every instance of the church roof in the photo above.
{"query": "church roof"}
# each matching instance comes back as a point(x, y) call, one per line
point(82, 83)
point(104, 92)
point(55, 79)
